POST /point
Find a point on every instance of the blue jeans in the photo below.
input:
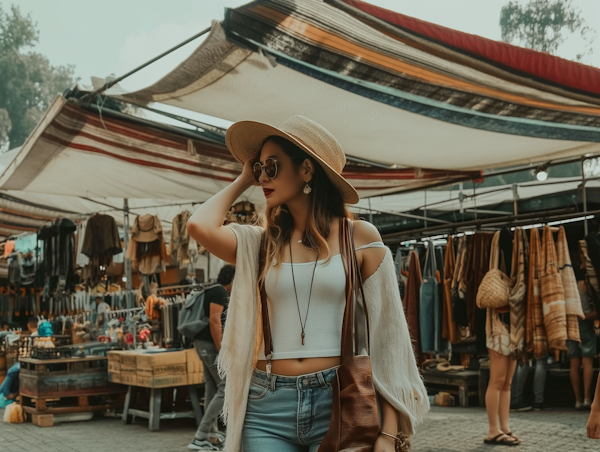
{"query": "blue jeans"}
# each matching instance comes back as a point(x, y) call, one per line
point(539, 381)
point(287, 414)
point(214, 390)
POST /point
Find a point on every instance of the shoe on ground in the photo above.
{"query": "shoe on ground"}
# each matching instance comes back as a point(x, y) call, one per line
point(540, 407)
point(203, 444)
point(587, 404)
point(519, 407)
point(579, 405)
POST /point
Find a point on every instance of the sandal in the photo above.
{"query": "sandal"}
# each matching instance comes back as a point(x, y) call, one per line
point(515, 437)
point(501, 440)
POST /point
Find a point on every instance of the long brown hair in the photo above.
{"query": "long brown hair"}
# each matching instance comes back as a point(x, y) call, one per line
point(325, 204)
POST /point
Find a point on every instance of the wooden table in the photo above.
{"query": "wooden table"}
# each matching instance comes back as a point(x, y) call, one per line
point(154, 414)
point(448, 381)
point(66, 385)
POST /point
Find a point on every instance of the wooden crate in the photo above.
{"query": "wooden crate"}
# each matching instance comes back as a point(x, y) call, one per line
point(65, 377)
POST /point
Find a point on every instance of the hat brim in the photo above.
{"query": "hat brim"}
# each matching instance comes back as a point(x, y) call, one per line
point(245, 140)
point(145, 236)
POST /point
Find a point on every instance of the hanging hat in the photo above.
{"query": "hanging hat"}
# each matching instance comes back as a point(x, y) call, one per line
point(246, 138)
point(146, 228)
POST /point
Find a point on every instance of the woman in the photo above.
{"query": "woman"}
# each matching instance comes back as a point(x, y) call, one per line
point(299, 168)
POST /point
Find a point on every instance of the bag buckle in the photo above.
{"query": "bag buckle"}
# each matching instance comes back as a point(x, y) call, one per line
point(269, 367)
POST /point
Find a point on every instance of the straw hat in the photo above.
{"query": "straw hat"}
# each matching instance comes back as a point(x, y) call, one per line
point(146, 228)
point(246, 138)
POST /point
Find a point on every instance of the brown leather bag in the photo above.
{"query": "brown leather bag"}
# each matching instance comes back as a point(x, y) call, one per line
point(354, 424)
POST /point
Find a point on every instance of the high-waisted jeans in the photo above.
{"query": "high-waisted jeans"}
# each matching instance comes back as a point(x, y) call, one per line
point(287, 414)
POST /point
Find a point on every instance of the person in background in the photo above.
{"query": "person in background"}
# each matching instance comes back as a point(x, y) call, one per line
point(102, 308)
point(539, 383)
point(10, 386)
point(208, 345)
point(593, 424)
point(586, 351)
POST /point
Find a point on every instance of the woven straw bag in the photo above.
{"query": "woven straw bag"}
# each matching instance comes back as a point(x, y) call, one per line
point(495, 286)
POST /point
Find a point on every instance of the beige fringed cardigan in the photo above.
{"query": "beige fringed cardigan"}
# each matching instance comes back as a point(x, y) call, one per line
point(395, 371)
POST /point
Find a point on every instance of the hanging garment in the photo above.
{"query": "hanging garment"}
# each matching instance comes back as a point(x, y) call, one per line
point(59, 254)
point(536, 338)
point(553, 298)
point(477, 266)
point(592, 254)
point(429, 305)
point(517, 294)
point(448, 314)
point(459, 292)
point(570, 289)
point(100, 242)
point(147, 250)
point(411, 302)
point(184, 248)
point(81, 260)
point(590, 269)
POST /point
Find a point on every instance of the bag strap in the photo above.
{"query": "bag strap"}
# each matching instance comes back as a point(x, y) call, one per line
point(354, 290)
point(268, 338)
point(495, 252)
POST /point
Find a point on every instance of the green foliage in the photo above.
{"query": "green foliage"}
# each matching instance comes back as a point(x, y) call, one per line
point(543, 25)
point(28, 82)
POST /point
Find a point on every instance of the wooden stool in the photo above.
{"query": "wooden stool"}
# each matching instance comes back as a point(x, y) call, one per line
point(447, 381)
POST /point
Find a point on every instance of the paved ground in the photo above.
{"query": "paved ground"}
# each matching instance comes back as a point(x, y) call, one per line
point(445, 430)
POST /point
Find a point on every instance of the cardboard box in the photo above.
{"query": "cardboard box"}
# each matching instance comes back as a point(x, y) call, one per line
point(114, 367)
point(169, 369)
point(162, 381)
point(147, 360)
point(129, 358)
point(42, 420)
point(195, 379)
point(114, 356)
point(194, 365)
point(114, 377)
point(127, 369)
point(129, 379)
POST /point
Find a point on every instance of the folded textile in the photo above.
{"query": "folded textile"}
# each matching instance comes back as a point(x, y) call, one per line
point(553, 298)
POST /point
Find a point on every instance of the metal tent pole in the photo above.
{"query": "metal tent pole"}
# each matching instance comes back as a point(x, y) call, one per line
point(126, 237)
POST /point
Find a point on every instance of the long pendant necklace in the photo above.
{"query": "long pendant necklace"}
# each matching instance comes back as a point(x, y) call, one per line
point(303, 325)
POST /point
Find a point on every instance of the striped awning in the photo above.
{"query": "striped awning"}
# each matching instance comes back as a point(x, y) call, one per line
point(390, 88)
point(84, 153)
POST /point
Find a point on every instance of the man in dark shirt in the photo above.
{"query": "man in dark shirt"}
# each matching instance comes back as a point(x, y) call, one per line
point(208, 345)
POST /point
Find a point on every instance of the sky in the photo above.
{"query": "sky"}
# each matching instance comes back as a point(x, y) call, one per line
point(115, 36)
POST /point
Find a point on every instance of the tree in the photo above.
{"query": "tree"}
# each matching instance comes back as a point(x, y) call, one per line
point(28, 82)
point(542, 25)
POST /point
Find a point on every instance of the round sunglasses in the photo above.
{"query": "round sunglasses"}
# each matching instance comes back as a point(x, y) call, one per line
point(269, 167)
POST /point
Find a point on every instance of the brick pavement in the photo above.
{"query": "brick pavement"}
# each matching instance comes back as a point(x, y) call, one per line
point(444, 430)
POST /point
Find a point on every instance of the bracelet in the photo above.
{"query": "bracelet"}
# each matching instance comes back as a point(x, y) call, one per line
point(387, 434)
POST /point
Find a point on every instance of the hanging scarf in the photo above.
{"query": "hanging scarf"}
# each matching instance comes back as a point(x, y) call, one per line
point(567, 276)
point(590, 270)
point(553, 298)
point(536, 340)
point(517, 295)
point(411, 301)
point(449, 267)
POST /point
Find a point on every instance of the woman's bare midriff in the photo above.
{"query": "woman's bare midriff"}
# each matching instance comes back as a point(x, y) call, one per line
point(302, 366)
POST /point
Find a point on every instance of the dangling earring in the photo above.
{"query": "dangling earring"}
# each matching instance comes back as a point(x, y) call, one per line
point(307, 189)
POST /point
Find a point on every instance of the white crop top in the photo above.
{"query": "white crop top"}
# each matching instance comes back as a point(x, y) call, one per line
point(328, 301)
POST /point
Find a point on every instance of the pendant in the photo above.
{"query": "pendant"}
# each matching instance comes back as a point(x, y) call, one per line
point(303, 335)
point(300, 241)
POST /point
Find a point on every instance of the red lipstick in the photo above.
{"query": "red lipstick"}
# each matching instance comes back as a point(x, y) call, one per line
point(267, 192)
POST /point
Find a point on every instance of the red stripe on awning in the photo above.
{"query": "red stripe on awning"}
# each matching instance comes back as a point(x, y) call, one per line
point(550, 68)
